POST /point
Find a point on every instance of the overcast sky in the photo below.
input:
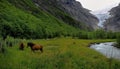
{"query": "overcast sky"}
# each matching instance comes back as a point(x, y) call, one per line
point(98, 4)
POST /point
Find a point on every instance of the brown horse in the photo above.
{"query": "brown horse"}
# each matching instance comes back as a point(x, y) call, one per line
point(35, 46)
point(21, 47)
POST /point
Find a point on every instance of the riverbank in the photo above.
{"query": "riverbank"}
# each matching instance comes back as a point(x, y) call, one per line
point(108, 49)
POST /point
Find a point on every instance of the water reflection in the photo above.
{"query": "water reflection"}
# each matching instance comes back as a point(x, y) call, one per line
point(107, 49)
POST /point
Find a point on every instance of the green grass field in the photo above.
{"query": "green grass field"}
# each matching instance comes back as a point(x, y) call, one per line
point(59, 53)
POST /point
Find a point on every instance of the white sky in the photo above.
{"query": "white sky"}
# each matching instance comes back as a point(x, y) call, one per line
point(98, 4)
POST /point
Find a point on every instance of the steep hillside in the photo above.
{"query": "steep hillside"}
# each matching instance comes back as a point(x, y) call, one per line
point(113, 23)
point(42, 18)
point(79, 13)
point(23, 19)
point(69, 11)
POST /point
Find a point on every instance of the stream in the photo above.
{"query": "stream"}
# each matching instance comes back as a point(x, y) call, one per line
point(107, 49)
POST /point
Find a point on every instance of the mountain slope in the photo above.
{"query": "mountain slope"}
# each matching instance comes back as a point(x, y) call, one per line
point(38, 19)
point(113, 23)
point(69, 11)
point(79, 13)
point(21, 22)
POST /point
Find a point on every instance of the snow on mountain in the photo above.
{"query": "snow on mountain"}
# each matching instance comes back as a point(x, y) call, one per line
point(103, 14)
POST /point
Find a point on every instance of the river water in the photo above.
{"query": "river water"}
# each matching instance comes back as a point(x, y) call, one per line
point(107, 49)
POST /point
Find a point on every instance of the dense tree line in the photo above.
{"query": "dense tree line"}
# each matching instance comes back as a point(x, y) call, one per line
point(98, 34)
point(39, 33)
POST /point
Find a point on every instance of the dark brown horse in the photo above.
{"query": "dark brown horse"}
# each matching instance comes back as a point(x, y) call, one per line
point(21, 47)
point(35, 46)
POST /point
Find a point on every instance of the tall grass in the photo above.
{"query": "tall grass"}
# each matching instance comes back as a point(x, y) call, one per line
point(59, 53)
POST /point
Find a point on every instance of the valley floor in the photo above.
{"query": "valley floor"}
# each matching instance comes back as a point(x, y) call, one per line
point(58, 53)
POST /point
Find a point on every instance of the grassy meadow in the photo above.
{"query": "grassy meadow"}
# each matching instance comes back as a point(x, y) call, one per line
point(58, 53)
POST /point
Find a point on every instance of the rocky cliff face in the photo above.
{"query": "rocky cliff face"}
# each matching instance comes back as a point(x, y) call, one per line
point(113, 23)
point(71, 7)
point(79, 13)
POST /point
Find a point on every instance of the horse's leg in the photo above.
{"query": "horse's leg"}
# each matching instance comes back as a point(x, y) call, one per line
point(22, 48)
point(41, 49)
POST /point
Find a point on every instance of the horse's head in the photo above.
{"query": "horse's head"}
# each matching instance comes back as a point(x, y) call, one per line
point(30, 44)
